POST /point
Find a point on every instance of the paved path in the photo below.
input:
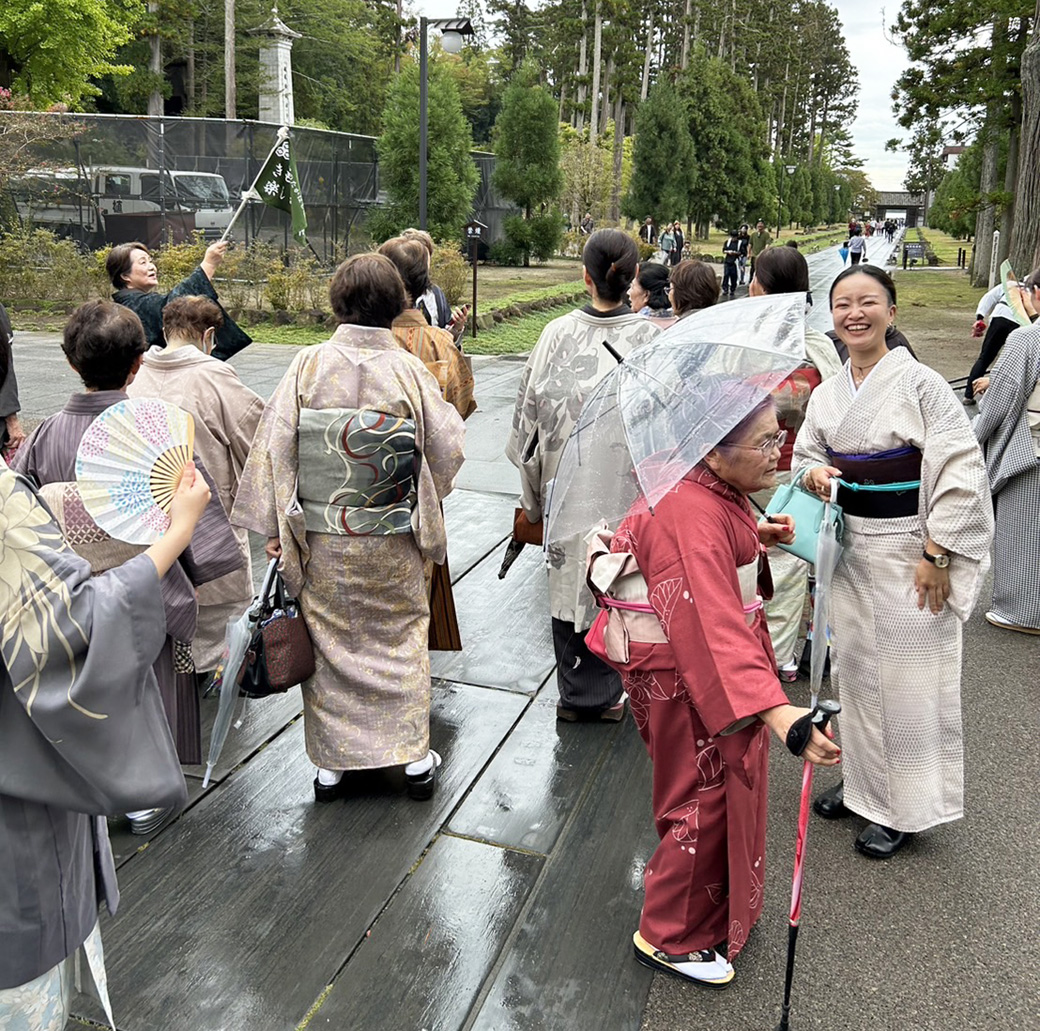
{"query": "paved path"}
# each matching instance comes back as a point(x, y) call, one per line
point(507, 903)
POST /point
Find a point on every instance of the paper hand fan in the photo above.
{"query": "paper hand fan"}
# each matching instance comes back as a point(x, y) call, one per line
point(1013, 294)
point(129, 464)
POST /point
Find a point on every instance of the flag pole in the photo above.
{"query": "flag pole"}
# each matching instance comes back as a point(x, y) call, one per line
point(250, 194)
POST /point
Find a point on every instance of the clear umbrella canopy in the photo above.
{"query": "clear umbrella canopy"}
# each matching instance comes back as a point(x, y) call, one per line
point(655, 416)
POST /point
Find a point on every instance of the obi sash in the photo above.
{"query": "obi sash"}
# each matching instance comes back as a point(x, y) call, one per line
point(883, 485)
point(357, 471)
point(620, 588)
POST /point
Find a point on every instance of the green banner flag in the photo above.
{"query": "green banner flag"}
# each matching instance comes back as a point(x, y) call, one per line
point(279, 186)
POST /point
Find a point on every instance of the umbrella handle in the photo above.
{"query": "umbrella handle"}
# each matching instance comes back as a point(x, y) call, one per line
point(801, 730)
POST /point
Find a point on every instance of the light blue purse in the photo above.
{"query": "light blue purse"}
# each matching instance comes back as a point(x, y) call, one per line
point(807, 510)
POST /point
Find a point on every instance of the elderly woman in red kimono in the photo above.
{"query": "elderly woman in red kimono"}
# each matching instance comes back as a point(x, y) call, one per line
point(692, 647)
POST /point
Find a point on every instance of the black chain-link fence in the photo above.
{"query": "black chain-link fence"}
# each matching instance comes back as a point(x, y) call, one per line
point(115, 178)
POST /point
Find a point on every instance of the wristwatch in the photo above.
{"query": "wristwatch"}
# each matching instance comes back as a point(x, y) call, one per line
point(939, 561)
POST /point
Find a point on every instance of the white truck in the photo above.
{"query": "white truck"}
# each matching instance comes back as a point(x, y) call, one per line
point(117, 204)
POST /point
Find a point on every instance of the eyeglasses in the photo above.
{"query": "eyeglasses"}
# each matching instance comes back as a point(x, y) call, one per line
point(766, 447)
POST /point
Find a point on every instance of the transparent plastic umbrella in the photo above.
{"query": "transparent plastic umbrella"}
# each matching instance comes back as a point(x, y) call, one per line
point(667, 404)
point(828, 552)
point(236, 642)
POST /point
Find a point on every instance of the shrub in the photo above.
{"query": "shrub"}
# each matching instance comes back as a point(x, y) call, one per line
point(176, 261)
point(646, 250)
point(450, 271)
point(545, 232)
point(298, 284)
point(37, 265)
point(505, 252)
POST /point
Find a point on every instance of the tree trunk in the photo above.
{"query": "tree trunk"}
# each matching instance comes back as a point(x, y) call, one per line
point(604, 107)
point(583, 67)
point(645, 88)
point(597, 61)
point(619, 151)
point(155, 98)
point(189, 69)
point(230, 97)
point(685, 59)
point(1025, 240)
point(986, 218)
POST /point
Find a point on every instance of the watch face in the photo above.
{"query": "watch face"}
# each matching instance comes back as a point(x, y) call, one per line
point(942, 561)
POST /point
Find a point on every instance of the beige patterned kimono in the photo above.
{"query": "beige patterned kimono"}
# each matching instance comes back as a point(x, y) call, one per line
point(355, 501)
point(226, 415)
point(898, 667)
point(567, 362)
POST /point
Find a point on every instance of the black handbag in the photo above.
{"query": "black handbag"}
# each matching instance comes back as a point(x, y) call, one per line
point(280, 654)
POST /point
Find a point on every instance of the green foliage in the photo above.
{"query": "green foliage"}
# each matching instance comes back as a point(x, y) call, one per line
point(546, 233)
point(662, 158)
point(450, 271)
point(527, 146)
point(515, 337)
point(452, 177)
point(52, 49)
point(36, 265)
point(298, 284)
point(729, 139)
point(506, 252)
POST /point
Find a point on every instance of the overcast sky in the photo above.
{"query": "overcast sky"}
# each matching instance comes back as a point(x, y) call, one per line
point(878, 61)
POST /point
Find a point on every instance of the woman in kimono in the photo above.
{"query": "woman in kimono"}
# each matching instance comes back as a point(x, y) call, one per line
point(226, 414)
point(683, 622)
point(104, 343)
point(434, 347)
point(572, 355)
point(782, 270)
point(354, 453)
point(918, 525)
point(134, 276)
point(1008, 428)
point(80, 715)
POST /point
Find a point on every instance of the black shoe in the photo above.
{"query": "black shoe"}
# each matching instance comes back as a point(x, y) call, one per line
point(421, 786)
point(612, 714)
point(880, 842)
point(330, 792)
point(831, 804)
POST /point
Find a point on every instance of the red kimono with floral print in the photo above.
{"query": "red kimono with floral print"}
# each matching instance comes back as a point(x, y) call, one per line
point(703, 884)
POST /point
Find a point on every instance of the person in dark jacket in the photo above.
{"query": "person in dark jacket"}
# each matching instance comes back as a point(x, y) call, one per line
point(11, 432)
point(134, 276)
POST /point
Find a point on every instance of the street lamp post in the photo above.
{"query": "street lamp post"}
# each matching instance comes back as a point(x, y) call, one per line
point(789, 169)
point(452, 31)
point(837, 200)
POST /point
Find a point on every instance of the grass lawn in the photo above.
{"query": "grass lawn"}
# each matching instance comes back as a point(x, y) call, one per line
point(516, 336)
point(496, 283)
point(936, 311)
point(944, 245)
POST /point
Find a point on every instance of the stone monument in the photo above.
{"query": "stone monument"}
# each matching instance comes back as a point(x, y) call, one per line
point(276, 85)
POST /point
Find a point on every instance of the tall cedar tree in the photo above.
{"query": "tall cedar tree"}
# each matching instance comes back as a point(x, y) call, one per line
point(452, 177)
point(527, 144)
point(662, 158)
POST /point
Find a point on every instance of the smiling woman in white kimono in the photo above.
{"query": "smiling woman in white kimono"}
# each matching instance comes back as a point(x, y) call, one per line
point(918, 524)
point(82, 734)
point(354, 453)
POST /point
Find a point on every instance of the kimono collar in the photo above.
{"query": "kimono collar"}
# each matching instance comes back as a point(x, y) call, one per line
point(703, 475)
point(93, 403)
point(366, 336)
point(186, 355)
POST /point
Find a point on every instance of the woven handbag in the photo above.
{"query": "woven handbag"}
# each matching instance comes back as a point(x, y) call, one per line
point(280, 653)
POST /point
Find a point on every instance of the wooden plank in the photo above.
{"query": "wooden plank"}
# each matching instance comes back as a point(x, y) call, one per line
point(242, 913)
point(523, 799)
point(570, 966)
point(477, 523)
point(505, 627)
point(428, 955)
point(264, 719)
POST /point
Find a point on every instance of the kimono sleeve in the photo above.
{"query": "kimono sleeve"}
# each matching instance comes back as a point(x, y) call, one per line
point(810, 447)
point(960, 513)
point(443, 439)
point(523, 448)
point(726, 666)
point(213, 551)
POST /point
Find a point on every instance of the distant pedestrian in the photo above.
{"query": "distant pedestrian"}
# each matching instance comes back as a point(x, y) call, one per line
point(857, 247)
point(730, 256)
point(678, 242)
point(758, 242)
point(648, 231)
point(11, 433)
point(587, 224)
point(665, 241)
point(743, 243)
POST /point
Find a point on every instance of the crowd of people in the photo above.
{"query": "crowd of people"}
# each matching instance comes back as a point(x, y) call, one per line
point(343, 472)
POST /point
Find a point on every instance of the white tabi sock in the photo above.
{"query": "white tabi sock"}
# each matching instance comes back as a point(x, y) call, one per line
point(329, 778)
point(423, 765)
